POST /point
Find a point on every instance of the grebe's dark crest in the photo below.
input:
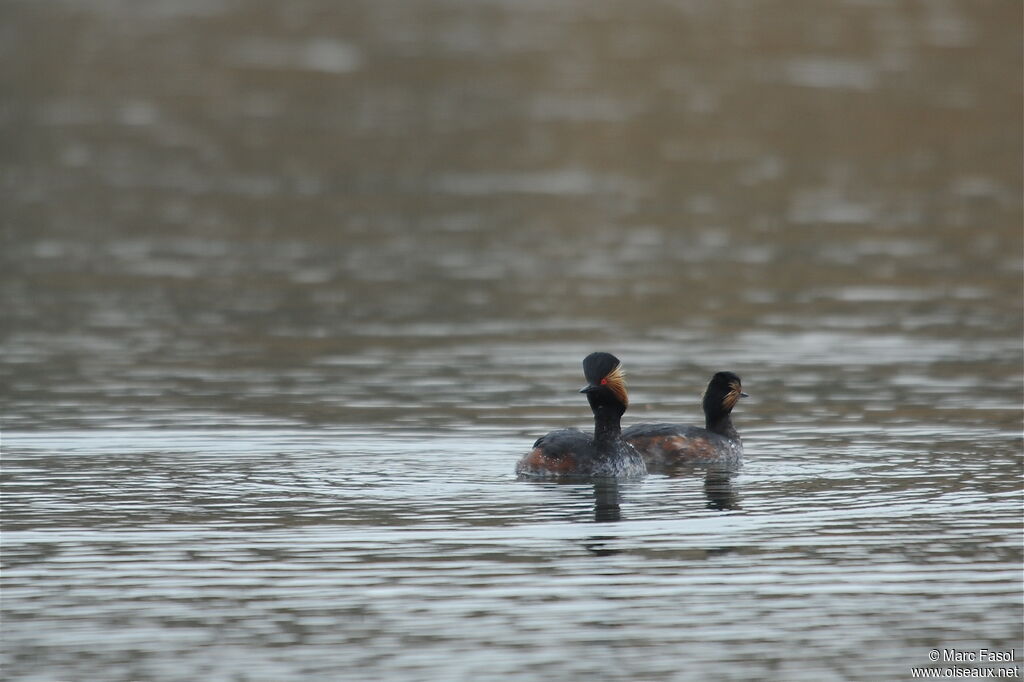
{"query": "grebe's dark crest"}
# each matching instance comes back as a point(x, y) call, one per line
point(667, 445)
point(573, 453)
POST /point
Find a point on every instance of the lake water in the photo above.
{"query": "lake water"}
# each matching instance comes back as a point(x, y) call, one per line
point(287, 289)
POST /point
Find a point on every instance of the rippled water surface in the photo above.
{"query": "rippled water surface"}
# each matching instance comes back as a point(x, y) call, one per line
point(287, 288)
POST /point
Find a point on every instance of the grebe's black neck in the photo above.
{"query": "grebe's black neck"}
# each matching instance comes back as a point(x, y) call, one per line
point(607, 427)
point(721, 423)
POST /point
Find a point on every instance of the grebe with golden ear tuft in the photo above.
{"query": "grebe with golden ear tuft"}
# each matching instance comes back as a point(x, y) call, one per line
point(571, 453)
point(667, 445)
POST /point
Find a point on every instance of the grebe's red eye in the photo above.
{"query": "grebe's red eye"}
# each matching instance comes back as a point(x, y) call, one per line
point(604, 382)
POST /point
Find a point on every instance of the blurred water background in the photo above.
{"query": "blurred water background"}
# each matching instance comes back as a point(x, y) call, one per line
point(288, 287)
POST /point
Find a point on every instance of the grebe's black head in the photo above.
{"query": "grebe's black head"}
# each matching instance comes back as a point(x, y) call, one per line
point(723, 392)
point(606, 382)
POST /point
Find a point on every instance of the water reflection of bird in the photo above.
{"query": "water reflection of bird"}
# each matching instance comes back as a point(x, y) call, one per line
point(719, 490)
point(665, 446)
point(607, 500)
point(571, 453)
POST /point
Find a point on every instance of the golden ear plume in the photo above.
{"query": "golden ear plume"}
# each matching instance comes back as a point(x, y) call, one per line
point(616, 381)
point(732, 397)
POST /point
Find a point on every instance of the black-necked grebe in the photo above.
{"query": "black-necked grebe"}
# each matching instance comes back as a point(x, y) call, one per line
point(571, 453)
point(667, 445)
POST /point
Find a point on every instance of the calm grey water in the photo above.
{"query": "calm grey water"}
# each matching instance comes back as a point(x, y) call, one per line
point(287, 288)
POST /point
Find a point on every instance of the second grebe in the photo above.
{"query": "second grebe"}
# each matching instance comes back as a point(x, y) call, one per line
point(668, 445)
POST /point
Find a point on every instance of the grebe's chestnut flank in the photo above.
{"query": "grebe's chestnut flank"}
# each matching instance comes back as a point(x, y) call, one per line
point(571, 453)
point(667, 445)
